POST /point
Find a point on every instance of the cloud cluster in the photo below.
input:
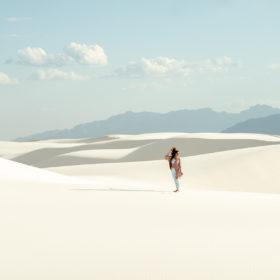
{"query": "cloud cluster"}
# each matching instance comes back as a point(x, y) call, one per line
point(6, 80)
point(83, 54)
point(170, 67)
point(74, 52)
point(56, 74)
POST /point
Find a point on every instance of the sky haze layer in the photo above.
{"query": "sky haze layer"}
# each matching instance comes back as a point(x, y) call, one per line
point(70, 62)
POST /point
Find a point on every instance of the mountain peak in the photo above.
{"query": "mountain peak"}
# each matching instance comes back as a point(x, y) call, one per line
point(261, 106)
point(259, 110)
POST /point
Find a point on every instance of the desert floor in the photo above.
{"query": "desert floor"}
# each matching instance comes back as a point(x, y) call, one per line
point(104, 208)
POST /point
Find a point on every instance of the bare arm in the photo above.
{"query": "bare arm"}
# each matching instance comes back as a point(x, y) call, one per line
point(180, 167)
point(167, 156)
point(179, 164)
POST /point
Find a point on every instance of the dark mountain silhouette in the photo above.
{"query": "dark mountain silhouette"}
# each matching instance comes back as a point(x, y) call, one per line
point(266, 125)
point(201, 120)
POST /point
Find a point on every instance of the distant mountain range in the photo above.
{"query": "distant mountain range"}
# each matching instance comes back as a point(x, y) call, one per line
point(200, 120)
point(266, 125)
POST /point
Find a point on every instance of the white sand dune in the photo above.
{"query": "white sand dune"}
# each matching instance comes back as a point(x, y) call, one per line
point(11, 171)
point(120, 219)
point(130, 148)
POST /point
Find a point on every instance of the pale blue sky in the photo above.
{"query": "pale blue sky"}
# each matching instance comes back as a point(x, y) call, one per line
point(133, 55)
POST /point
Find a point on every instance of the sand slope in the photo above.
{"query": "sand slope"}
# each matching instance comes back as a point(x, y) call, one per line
point(121, 220)
point(14, 172)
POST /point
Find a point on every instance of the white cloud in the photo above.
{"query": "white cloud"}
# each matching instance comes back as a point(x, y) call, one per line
point(160, 66)
point(170, 67)
point(15, 19)
point(274, 66)
point(55, 74)
point(218, 64)
point(79, 53)
point(39, 57)
point(34, 56)
point(86, 54)
point(6, 80)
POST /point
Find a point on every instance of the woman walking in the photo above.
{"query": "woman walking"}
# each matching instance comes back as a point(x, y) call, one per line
point(175, 166)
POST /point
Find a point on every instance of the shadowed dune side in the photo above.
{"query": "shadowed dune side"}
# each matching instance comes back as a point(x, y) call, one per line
point(37, 157)
point(23, 150)
point(12, 150)
point(84, 140)
point(147, 150)
point(190, 147)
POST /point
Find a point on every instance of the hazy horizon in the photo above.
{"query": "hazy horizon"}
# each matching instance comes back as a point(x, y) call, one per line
point(64, 64)
point(256, 111)
point(125, 111)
